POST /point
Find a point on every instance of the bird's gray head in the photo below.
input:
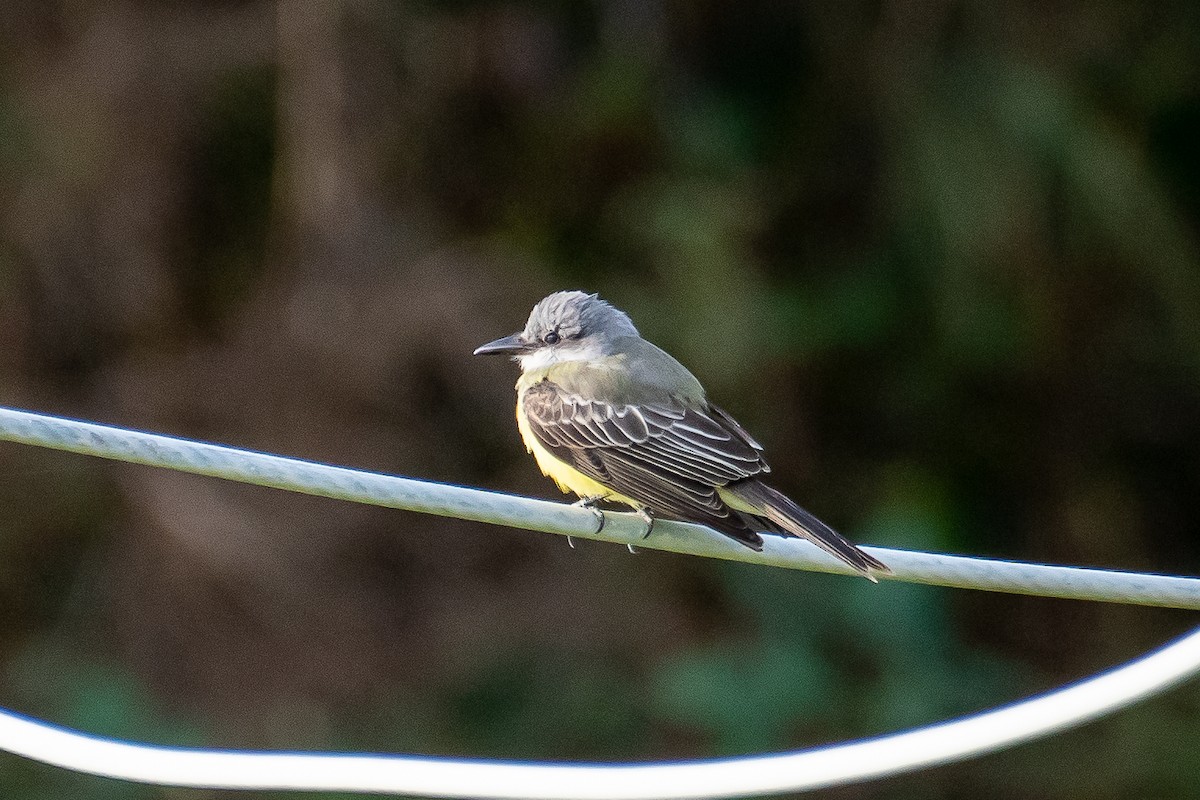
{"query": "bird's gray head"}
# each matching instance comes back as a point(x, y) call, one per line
point(566, 326)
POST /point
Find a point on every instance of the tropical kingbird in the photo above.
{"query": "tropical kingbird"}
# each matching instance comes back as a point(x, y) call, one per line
point(611, 417)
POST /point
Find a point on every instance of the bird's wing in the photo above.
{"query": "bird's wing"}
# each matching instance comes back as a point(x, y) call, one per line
point(666, 455)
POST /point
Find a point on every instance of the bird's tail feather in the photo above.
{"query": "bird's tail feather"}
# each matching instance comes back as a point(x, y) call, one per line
point(792, 520)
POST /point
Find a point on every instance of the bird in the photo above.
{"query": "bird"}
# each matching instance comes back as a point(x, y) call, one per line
point(613, 418)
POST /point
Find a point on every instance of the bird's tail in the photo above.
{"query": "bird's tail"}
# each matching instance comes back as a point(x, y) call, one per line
point(757, 498)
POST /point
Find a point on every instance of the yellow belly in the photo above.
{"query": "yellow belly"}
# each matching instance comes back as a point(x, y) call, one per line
point(566, 476)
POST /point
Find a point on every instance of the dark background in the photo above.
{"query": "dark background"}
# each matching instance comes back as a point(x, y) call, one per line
point(942, 258)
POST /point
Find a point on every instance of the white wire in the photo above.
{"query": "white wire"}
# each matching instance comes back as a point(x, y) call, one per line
point(491, 780)
point(434, 777)
point(539, 515)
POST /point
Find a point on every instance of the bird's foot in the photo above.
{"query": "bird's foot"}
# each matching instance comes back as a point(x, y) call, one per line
point(590, 504)
point(648, 518)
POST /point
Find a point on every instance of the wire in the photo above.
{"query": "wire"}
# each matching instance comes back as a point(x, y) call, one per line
point(539, 515)
point(805, 770)
point(441, 777)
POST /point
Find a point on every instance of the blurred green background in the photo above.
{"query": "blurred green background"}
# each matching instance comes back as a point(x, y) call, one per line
point(942, 258)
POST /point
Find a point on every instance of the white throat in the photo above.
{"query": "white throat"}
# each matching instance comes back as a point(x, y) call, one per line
point(549, 356)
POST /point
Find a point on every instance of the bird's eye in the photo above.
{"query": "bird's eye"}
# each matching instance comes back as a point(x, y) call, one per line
point(551, 337)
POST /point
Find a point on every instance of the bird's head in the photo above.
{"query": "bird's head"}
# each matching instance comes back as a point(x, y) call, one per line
point(565, 326)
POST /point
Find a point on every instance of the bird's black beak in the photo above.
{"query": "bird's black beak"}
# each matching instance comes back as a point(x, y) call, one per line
point(508, 346)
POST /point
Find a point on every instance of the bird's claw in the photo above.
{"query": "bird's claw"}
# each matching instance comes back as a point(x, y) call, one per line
point(648, 518)
point(590, 504)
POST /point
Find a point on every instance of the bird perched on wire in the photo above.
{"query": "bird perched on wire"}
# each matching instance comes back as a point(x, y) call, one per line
point(611, 417)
